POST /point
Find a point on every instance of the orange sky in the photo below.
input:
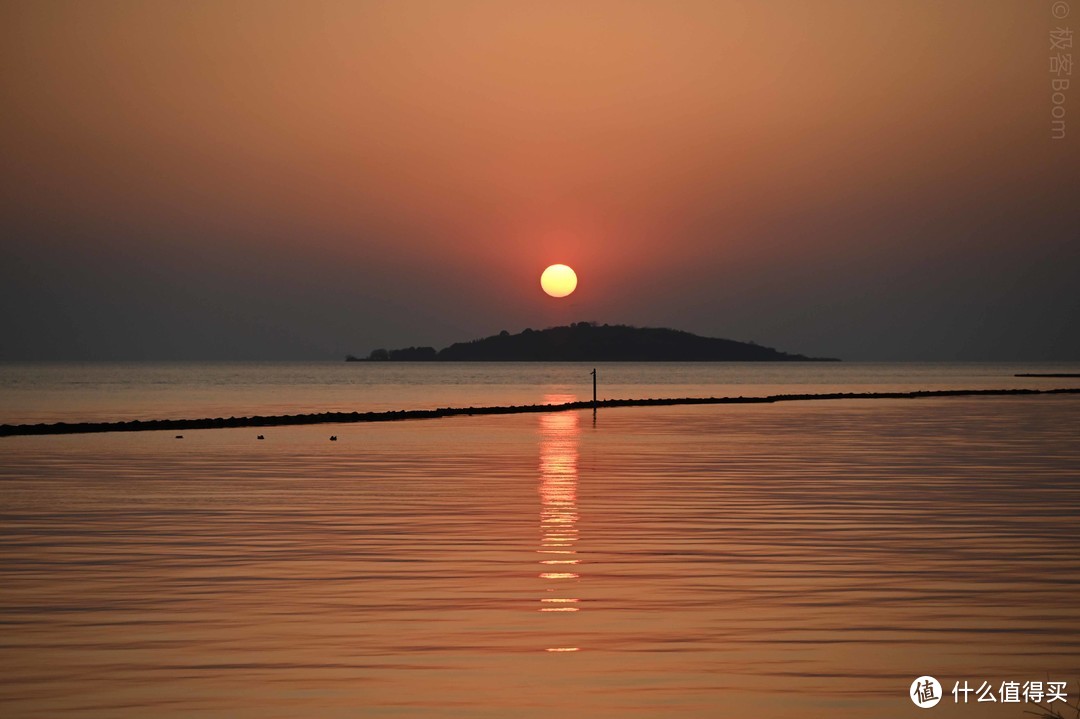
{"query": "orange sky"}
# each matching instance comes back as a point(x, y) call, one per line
point(287, 179)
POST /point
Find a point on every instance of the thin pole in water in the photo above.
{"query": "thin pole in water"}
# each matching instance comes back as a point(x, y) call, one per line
point(593, 373)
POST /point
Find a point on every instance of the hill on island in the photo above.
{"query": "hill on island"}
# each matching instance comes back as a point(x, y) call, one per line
point(590, 342)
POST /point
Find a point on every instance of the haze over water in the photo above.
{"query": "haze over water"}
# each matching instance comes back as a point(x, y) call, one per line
point(802, 559)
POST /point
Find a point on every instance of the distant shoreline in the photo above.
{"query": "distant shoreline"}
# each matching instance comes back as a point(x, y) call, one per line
point(592, 342)
point(12, 430)
point(1038, 374)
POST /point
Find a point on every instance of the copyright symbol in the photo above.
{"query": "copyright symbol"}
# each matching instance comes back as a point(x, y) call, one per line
point(1060, 10)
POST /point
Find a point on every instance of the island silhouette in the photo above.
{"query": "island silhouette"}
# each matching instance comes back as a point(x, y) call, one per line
point(592, 342)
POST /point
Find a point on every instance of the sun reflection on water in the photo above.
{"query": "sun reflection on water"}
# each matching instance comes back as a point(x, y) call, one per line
point(558, 511)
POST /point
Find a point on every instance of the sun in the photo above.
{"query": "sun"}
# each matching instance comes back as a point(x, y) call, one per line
point(558, 280)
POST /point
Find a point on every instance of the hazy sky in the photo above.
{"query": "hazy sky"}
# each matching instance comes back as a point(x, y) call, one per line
point(272, 180)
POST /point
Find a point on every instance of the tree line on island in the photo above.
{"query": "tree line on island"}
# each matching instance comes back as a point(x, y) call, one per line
point(591, 342)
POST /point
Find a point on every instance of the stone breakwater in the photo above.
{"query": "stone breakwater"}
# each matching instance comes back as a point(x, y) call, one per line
point(9, 430)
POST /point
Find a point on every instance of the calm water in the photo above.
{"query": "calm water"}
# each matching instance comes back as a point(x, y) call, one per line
point(103, 392)
point(796, 560)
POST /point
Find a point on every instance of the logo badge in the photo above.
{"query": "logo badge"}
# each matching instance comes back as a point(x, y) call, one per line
point(925, 692)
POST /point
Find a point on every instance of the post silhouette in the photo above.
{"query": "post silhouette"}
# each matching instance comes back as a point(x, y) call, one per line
point(593, 373)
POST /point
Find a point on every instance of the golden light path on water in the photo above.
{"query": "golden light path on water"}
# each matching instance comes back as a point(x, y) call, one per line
point(559, 560)
point(770, 561)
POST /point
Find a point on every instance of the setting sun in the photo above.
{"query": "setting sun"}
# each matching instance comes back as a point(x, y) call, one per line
point(558, 280)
